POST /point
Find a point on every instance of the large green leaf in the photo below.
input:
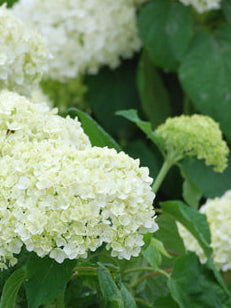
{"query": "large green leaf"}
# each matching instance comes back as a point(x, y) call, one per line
point(194, 285)
point(112, 90)
point(226, 6)
point(168, 234)
point(191, 193)
point(11, 288)
point(165, 302)
point(205, 75)
point(148, 156)
point(128, 299)
point(212, 184)
point(47, 279)
point(108, 287)
point(146, 127)
point(153, 253)
point(166, 29)
point(97, 135)
point(192, 220)
point(153, 94)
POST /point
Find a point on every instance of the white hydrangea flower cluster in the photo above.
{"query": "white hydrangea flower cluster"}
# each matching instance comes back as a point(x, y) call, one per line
point(62, 202)
point(218, 213)
point(202, 6)
point(23, 55)
point(21, 119)
point(62, 197)
point(81, 35)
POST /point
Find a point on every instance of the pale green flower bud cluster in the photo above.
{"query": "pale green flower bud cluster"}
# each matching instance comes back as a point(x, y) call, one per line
point(66, 95)
point(202, 6)
point(218, 213)
point(23, 55)
point(81, 35)
point(195, 135)
point(62, 197)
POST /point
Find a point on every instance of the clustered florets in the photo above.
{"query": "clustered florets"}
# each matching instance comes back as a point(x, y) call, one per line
point(60, 196)
point(218, 213)
point(195, 135)
point(81, 35)
point(203, 5)
point(22, 54)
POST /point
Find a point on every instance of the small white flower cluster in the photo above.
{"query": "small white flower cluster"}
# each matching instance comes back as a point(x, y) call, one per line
point(65, 198)
point(202, 6)
point(81, 35)
point(24, 121)
point(22, 54)
point(218, 213)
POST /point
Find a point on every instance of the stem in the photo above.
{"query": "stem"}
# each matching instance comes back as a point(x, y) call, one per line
point(143, 302)
point(163, 272)
point(161, 175)
point(138, 269)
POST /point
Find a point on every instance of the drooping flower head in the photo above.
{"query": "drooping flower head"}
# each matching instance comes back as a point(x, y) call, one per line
point(62, 202)
point(24, 120)
point(81, 35)
point(203, 5)
point(22, 54)
point(195, 135)
point(218, 213)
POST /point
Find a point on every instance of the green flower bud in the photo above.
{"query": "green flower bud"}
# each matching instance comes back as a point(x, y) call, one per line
point(195, 135)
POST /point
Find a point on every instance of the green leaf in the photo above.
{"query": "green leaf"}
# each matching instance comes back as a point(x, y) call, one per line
point(146, 127)
point(11, 288)
point(206, 76)
point(10, 3)
point(153, 256)
point(112, 90)
point(212, 184)
point(194, 285)
point(108, 287)
point(168, 234)
point(180, 29)
point(166, 29)
point(164, 302)
point(192, 220)
point(128, 299)
point(47, 279)
point(97, 135)
point(153, 253)
point(226, 7)
point(153, 94)
point(191, 193)
point(140, 149)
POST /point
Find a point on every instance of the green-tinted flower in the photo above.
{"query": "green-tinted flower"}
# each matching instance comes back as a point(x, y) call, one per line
point(66, 95)
point(196, 135)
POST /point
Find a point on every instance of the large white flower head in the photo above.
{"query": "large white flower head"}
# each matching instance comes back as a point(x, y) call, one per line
point(81, 35)
point(203, 5)
point(218, 213)
point(62, 202)
point(25, 120)
point(22, 54)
